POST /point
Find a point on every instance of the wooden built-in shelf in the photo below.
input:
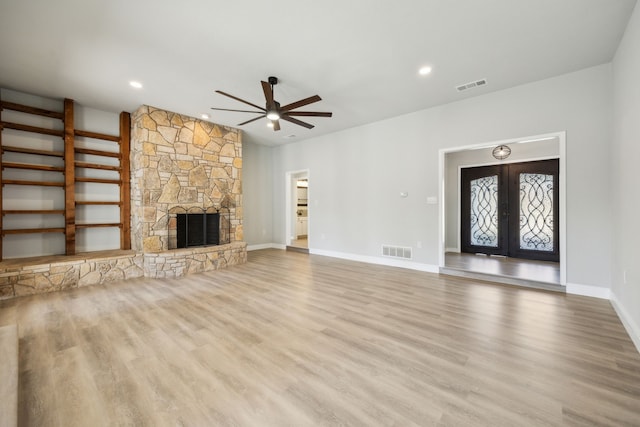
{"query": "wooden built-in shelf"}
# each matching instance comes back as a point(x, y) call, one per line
point(33, 231)
point(35, 183)
point(96, 166)
point(32, 167)
point(114, 224)
point(98, 203)
point(99, 180)
point(32, 211)
point(97, 152)
point(96, 135)
point(31, 110)
point(8, 148)
point(34, 129)
point(68, 171)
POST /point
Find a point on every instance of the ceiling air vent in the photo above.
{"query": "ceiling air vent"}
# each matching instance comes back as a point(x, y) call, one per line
point(470, 85)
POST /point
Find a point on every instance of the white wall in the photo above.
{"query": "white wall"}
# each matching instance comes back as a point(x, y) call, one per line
point(359, 173)
point(454, 161)
point(624, 167)
point(257, 191)
point(28, 197)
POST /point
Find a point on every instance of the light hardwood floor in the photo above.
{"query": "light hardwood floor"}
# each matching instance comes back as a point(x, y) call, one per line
point(299, 340)
point(303, 242)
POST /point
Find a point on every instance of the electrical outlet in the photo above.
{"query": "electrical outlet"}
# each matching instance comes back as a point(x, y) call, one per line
point(419, 245)
point(322, 236)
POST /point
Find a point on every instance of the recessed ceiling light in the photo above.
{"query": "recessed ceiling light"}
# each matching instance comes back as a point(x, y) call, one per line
point(424, 71)
point(135, 84)
point(205, 116)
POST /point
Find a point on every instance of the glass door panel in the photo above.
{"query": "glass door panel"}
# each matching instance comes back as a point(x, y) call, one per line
point(534, 209)
point(536, 212)
point(484, 211)
point(483, 201)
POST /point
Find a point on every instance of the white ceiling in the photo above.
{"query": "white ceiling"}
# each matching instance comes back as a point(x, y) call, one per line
point(360, 56)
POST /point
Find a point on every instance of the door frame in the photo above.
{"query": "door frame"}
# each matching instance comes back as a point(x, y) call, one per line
point(562, 180)
point(291, 203)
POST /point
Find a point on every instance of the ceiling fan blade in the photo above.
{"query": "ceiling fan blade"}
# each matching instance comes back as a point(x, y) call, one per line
point(252, 120)
point(276, 125)
point(301, 103)
point(239, 111)
point(296, 121)
point(309, 113)
point(268, 92)
point(241, 100)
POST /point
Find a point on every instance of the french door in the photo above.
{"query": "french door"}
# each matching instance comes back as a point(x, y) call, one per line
point(511, 210)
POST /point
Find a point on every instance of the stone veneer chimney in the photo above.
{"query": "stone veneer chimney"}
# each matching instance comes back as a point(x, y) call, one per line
point(180, 161)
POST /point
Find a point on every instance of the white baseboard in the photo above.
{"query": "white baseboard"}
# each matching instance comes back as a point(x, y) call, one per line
point(378, 260)
point(456, 250)
point(627, 321)
point(265, 246)
point(588, 291)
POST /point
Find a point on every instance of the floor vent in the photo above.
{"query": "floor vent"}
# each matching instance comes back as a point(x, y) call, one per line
point(396, 252)
point(470, 85)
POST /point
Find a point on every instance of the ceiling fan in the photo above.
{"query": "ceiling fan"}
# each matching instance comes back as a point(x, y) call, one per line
point(274, 111)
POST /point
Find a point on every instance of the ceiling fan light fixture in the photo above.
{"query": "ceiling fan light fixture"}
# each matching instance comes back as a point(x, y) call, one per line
point(273, 115)
point(272, 110)
point(270, 124)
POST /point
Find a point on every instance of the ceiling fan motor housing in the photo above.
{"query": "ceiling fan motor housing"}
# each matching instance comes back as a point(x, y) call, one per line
point(273, 80)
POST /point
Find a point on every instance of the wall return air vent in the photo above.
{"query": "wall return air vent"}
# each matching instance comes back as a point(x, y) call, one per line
point(463, 87)
point(396, 252)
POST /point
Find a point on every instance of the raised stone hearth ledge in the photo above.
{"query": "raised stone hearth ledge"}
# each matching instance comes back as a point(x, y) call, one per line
point(180, 262)
point(21, 277)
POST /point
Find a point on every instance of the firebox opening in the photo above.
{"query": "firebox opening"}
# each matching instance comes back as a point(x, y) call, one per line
point(197, 229)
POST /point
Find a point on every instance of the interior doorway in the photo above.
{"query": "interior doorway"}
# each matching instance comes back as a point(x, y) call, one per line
point(503, 260)
point(301, 231)
point(298, 211)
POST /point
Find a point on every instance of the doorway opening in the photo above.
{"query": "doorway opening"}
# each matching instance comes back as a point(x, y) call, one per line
point(504, 219)
point(298, 211)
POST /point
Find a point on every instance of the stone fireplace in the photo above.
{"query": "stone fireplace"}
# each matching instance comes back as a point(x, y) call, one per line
point(180, 163)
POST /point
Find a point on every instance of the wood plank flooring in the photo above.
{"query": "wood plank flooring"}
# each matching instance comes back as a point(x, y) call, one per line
point(302, 340)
